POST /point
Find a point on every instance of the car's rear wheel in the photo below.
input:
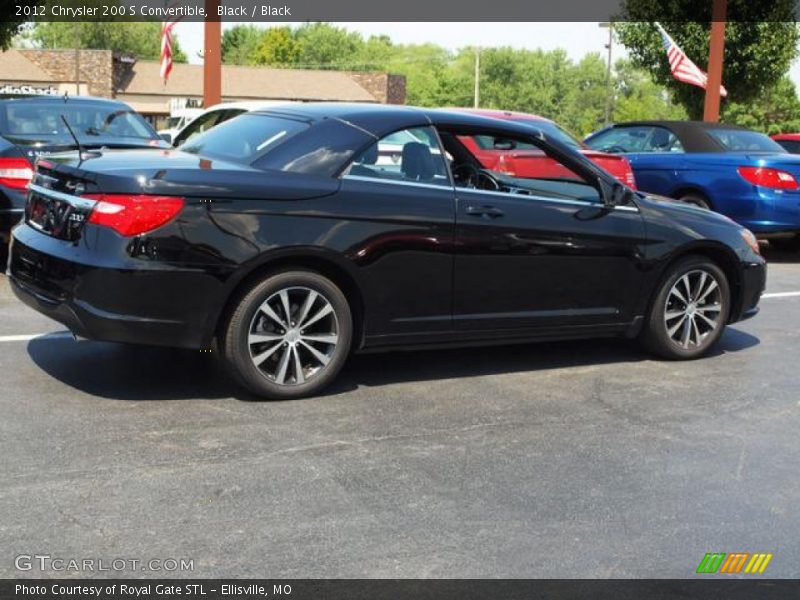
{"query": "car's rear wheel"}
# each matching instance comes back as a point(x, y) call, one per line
point(289, 335)
point(689, 311)
point(697, 200)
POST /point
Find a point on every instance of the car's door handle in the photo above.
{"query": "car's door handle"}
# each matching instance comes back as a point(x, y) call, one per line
point(484, 211)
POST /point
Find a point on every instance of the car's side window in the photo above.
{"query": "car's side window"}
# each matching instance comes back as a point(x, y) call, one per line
point(662, 140)
point(199, 125)
point(408, 156)
point(526, 175)
point(622, 139)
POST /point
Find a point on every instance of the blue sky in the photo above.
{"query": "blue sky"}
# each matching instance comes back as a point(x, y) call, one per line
point(577, 39)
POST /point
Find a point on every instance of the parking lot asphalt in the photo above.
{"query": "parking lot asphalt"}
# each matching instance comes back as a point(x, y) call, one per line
point(577, 459)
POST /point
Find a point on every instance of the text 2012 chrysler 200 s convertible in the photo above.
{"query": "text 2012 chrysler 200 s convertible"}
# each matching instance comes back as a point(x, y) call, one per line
point(281, 236)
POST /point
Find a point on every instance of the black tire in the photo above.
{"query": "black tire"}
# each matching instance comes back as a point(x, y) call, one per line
point(697, 200)
point(248, 318)
point(656, 335)
point(789, 244)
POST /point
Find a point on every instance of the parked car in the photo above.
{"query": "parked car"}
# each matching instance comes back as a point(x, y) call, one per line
point(788, 141)
point(219, 113)
point(177, 121)
point(740, 173)
point(278, 235)
point(525, 160)
point(32, 126)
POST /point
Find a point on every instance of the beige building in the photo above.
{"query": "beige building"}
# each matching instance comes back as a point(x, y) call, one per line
point(120, 76)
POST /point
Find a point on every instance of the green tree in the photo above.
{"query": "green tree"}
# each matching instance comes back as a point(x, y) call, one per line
point(637, 98)
point(777, 111)
point(760, 44)
point(278, 47)
point(142, 38)
point(240, 44)
point(325, 46)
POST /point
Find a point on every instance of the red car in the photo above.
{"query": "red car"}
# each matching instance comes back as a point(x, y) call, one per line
point(528, 161)
point(790, 141)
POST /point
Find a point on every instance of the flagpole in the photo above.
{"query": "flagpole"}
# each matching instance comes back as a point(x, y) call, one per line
point(715, 60)
point(212, 59)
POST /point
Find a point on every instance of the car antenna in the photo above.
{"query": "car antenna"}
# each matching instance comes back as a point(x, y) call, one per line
point(74, 137)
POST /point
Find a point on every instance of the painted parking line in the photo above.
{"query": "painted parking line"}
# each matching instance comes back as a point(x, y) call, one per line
point(33, 336)
point(781, 295)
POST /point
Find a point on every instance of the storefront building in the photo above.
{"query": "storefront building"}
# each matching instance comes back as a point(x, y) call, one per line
point(137, 82)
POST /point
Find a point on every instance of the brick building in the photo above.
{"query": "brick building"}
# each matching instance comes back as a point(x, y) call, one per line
point(137, 82)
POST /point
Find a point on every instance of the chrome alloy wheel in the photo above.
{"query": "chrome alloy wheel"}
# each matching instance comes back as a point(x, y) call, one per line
point(293, 335)
point(693, 309)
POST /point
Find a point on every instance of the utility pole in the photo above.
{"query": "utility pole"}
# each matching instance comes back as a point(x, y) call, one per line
point(716, 53)
point(212, 56)
point(477, 99)
point(609, 91)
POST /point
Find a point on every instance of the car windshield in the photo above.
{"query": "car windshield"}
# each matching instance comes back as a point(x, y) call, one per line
point(31, 122)
point(244, 138)
point(741, 140)
point(549, 128)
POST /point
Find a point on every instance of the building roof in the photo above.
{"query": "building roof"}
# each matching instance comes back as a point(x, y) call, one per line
point(14, 67)
point(248, 82)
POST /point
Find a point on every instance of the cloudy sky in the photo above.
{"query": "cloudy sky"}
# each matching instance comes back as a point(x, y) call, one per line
point(577, 39)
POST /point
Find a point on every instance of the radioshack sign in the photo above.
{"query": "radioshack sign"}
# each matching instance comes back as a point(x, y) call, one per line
point(38, 90)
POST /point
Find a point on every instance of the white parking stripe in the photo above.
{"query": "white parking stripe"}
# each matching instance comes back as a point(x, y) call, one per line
point(781, 295)
point(28, 338)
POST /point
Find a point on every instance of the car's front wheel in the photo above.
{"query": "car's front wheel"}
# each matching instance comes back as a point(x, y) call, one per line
point(289, 335)
point(689, 311)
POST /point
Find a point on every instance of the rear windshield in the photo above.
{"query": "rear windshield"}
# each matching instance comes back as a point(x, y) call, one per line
point(738, 140)
point(549, 128)
point(30, 122)
point(244, 138)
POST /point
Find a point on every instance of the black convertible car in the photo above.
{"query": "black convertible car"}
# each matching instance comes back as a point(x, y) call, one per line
point(291, 239)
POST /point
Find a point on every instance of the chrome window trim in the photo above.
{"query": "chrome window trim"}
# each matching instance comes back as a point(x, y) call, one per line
point(626, 208)
point(446, 186)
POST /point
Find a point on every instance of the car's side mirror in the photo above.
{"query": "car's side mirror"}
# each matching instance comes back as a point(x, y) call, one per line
point(614, 194)
point(503, 144)
point(167, 137)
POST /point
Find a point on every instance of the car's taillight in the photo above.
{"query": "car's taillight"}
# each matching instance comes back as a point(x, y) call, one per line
point(132, 214)
point(15, 173)
point(769, 177)
point(629, 178)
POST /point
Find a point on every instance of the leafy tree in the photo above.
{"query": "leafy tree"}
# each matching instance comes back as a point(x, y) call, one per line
point(637, 98)
point(240, 44)
point(278, 47)
point(760, 44)
point(142, 38)
point(777, 111)
point(324, 46)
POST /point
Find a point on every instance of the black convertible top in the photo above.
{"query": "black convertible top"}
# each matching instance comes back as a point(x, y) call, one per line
point(692, 134)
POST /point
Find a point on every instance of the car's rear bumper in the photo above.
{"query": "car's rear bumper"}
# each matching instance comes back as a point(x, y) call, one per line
point(111, 301)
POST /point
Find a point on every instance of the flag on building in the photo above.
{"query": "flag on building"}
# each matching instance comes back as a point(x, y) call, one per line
point(683, 69)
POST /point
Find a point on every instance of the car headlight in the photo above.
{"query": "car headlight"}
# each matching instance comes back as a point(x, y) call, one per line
point(750, 239)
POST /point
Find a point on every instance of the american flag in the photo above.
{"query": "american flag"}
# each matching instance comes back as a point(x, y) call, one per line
point(166, 46)
point(682, 68)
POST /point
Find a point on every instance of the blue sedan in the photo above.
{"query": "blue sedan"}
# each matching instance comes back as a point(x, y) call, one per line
point(740, 173)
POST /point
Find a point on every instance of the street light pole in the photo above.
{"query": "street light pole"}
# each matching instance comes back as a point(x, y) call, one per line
point(715, 59)
point(609, 91)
